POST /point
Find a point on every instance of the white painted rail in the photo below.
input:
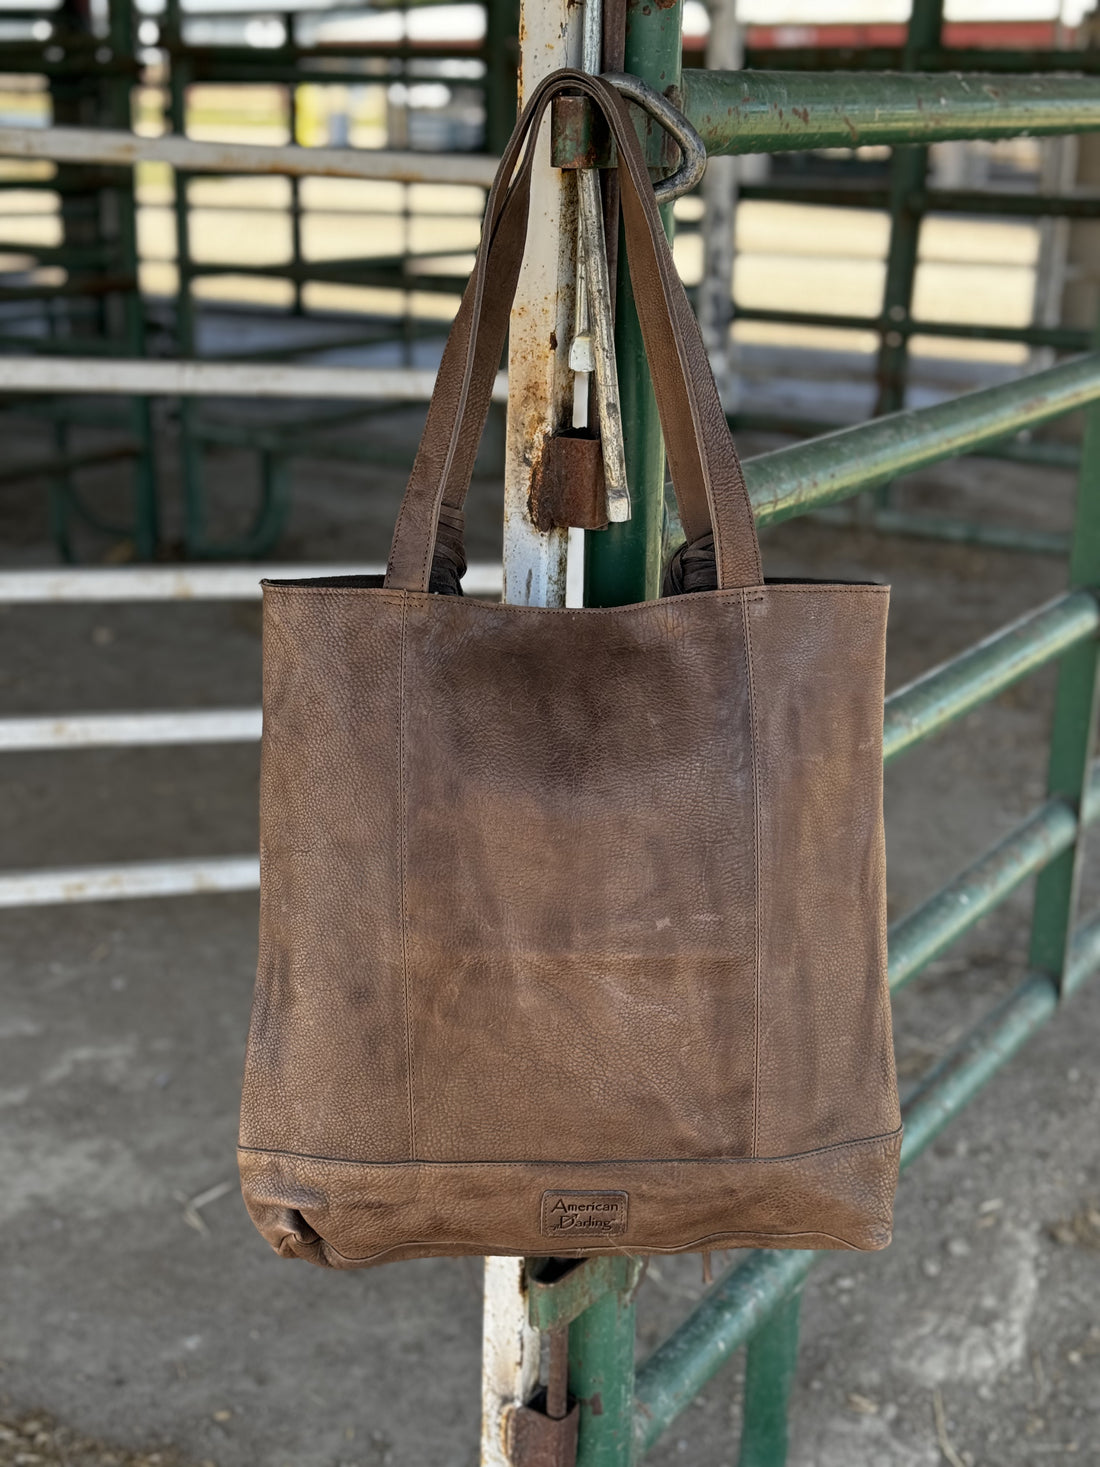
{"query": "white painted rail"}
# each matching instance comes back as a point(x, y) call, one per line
point(104, 146)
point(127, 880)
point(130, 730)
point(133, 730)
point(142, 378)
point(188, 583)
point(193, 582)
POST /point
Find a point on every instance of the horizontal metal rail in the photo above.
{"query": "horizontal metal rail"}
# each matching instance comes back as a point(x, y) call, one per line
point(735, 112)
point(141, 378)
point(931, 58)
point(66, 463)
point(775, 111)
point(911, 714)
point(739, 1303)
point(805, 476)
point(192, 582)
point(103, 146)
point(1002, 202)
point(946, 692)
point(784, 483)
point(930, 929)
point(916, 940)
point(953, 1081)
point(133, 879)
point(130, 730)
point(964, 532)
point(1064, 338)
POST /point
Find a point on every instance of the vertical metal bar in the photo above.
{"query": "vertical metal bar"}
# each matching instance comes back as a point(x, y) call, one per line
point(770, 1364)
point(725, 52)
point(60, 494)
point(402, 115)
point(190, 451)
point(1074, 731)
point(146, 519)
point(501, 54)
point(509, 1356)
point(540, 384)
point(290, 19)
point(908, 169)
point(540, 400)
point(623, 562)
point(601, 1377)
point(594, 305)
point(75, 102)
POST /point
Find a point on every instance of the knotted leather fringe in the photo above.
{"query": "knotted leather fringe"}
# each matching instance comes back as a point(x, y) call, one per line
point(449, 560)
point(692, 568)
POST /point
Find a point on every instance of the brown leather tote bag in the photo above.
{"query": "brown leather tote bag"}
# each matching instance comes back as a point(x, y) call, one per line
point(572, 931)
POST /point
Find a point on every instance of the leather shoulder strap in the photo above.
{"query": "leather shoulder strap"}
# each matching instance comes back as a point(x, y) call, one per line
point(706, 474)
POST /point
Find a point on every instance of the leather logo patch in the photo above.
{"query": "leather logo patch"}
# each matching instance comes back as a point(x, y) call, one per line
point(583, 1214)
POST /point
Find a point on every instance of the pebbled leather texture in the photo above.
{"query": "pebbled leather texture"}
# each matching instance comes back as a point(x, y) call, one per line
point(588, 902)
point(578, 899)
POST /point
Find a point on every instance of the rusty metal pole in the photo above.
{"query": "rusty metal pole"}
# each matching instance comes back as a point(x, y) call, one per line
point(540, 384)
point(540, 402)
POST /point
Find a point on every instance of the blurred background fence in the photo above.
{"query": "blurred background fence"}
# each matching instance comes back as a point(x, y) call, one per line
point(944, 267)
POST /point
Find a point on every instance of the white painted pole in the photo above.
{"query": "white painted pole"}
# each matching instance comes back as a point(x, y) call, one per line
point(540, 402)
point(509, 1356)
point(220, 379)
point(101, 145)
point(540, 398)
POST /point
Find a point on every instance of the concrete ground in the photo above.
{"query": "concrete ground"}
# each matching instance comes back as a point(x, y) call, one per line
point(140, 1310)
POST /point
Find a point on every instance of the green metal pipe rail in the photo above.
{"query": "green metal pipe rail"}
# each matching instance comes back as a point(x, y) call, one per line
point(783, 111)
point(756, 1303)
point(933, 58)
point(775, 111)
point(742, 1303)
point(751, 1304)
point(791, 481)
point(988, 100)
point(738, 112)
point(622, 1412)
point(986, 669)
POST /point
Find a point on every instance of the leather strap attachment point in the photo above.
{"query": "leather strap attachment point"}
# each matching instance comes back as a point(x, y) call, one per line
point(706, 474)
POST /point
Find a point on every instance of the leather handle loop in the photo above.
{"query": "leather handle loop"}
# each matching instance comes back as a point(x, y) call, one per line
point(706, 475)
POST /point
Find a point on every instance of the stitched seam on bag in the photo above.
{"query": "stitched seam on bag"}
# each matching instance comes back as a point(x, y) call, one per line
point(756, 881)
point(380, 593)
point(758, 593)
point(589, 1249)
point(860, 1141)
point(403, 806)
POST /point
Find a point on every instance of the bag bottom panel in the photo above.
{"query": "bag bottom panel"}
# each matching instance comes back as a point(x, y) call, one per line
point(344, 1214)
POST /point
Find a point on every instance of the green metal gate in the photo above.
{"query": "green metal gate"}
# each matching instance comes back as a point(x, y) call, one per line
point(623, 1412)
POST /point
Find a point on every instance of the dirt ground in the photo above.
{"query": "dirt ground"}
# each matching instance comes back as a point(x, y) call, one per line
point(140, 1309)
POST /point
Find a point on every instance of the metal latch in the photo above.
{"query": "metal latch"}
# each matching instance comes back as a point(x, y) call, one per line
point(593, 346)
point(543, 1433)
